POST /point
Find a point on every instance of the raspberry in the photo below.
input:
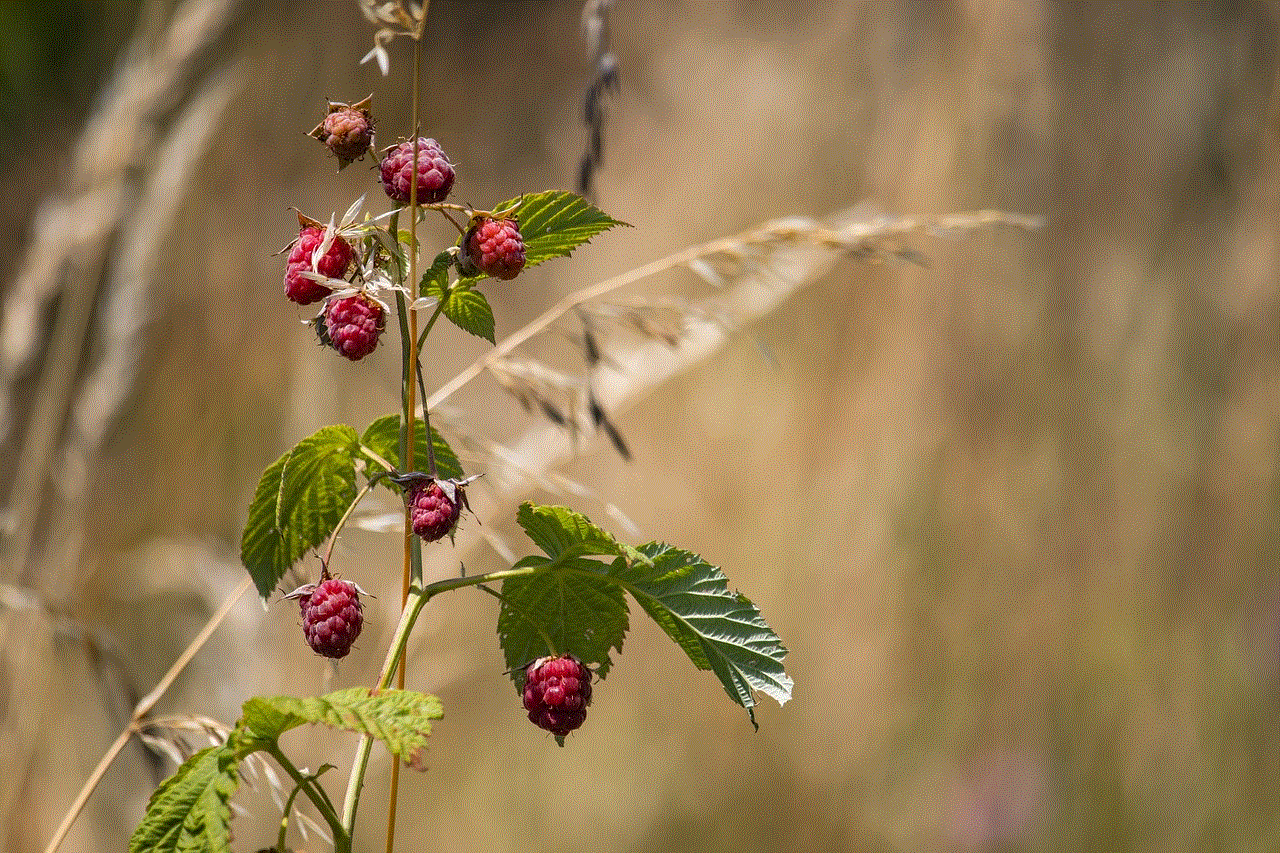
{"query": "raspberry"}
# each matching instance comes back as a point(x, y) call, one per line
point(332, 264)
point(557, 691)
point(347, 132)
point(434, 514)
point(435, 174)
point(494, 247)
point(331, 617)
point(352, 325)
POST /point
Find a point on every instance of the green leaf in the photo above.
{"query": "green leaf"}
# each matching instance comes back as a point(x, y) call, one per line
point(190, 810)
point(298, 503)
point(554, 223)
point(464, 306)
point(574, 604)
point(563, 534)
point(383, 438)
point(401, 719)
point(469, 311)
point(434, 280)
point(719, 630)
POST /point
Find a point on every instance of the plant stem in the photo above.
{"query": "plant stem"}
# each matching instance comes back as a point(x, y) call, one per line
point(341, 838)
point(418, 597)
point(284, 818)
point(328, 552)
point(410, 346)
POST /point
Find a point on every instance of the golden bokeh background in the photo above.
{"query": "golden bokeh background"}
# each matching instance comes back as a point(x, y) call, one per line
point(1013, 510)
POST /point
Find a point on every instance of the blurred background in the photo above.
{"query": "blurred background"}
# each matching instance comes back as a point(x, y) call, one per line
point(1013, 508)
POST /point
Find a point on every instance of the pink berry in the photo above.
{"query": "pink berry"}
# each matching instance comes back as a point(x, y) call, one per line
point(332, 264)
point(435, 173)
point(557, 691)
point(352, 325)
point(332, 617)
point(434, 514)
point(495, 247)
point(348, 133)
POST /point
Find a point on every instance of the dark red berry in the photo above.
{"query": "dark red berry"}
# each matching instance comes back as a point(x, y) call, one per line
point(495, 247)
point(352, 325)
point(332, 264)
point(557, 691)
point(435, 173)
point(332, 617)
point(434, 514)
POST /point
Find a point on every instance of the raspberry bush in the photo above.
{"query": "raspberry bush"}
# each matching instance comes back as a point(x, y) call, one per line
point(562, 612)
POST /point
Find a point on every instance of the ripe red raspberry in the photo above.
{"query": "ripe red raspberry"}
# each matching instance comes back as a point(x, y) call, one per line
point(435, 173)
point(347, 132)
point(332, 617)
point(332, 264)
point(352, 325)
point(494, 247)
point(557, 691)
point(433, 513)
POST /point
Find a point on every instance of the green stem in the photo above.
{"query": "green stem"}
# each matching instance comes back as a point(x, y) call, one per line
point(333, 537)
point(431, 321)
point(307, 784)
point(418, 597)
point(426, 415)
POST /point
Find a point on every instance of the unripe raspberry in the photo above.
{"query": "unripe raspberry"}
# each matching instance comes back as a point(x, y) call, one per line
point(352, 325)
point(348, 132)
point(332, 264)
point(433, 513)
point(435, 173)
point(557, 691)
point(494, 247)
point(332, 617)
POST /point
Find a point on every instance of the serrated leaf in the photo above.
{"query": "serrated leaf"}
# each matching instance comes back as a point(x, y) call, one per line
point(469, 310)
point(562, 534)
point(581, 610)
point(383, 438)
point(554, 223)
point(720, 630)
point(190, 811)
point(298, 503)
point(401, 719)
point(433, 281)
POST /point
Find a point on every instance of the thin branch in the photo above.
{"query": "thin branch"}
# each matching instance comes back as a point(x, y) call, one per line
point(860, 236)
point(140, 711)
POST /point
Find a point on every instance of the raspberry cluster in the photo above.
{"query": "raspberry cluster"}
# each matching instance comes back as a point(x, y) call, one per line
point(332, 264)
point(557, 691)
point(494, 247)
point(332, 617)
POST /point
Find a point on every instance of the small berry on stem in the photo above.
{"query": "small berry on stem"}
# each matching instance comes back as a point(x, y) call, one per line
point(347, 130)
point(303, 258)
point(557, 691)
point(332, 615)
point(434, 511)
point(352, 325)
point(493, 247)
point(435, 172)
